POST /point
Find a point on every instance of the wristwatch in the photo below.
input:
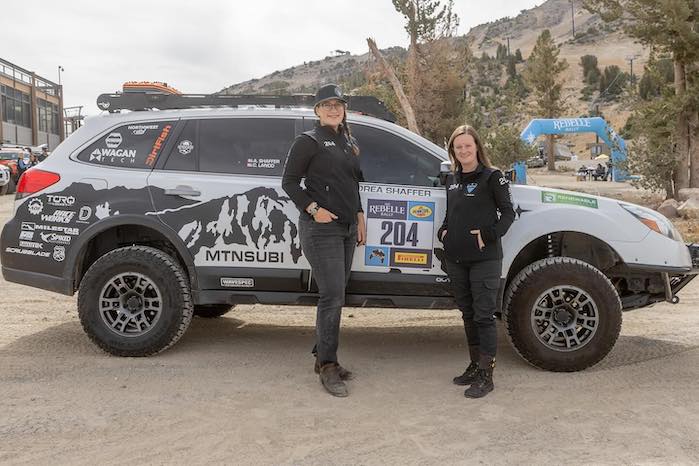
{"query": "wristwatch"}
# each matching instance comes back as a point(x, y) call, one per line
point(313, 209)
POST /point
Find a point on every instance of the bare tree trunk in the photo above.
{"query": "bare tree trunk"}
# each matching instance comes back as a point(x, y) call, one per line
point(550, 153)
point(412, 54)
point(397, 87)
point(693, 149)
point(682, 179)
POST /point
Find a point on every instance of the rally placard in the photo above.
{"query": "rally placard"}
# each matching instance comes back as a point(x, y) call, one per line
point(399, 233)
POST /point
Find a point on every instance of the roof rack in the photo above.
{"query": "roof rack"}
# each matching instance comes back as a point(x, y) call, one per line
point(149, 100)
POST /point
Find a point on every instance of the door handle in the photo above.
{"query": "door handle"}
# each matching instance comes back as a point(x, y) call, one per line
point(182, 190)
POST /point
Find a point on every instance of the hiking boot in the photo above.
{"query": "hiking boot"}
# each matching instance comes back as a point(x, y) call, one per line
point(469, 376)
point(330, 378)
point(344, 373)
point(484, 382)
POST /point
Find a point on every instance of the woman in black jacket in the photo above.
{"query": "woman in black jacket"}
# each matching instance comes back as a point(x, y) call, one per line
point(331, 224)
point(479, 213)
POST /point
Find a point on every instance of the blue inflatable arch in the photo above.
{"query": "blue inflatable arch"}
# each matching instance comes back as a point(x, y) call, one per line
point(597, 125)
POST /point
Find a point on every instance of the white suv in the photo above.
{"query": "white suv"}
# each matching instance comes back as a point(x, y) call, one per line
point(155, 216)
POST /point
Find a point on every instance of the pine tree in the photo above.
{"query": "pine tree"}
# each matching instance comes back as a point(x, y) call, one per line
point(668, 26)
point(542, 73)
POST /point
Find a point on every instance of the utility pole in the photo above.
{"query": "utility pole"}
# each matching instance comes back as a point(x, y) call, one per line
point(630, 59)
point(60, 68)
point(572, 15)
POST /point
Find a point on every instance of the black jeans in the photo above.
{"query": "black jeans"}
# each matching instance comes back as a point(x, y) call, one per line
point(329, 247)
point(475, 286)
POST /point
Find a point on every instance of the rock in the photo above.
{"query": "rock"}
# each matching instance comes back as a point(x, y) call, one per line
point(688, 193)
point(689, 208)
point(669, 208)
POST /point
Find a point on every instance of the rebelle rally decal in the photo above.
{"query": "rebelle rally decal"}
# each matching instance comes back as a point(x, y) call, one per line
point(399, 233)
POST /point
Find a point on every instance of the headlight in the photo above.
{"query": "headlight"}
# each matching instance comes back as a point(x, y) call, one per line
point(653, 220)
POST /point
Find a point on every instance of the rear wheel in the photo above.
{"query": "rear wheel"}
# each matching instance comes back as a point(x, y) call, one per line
point(135, 301)
point(211, 311)
point(562, 314)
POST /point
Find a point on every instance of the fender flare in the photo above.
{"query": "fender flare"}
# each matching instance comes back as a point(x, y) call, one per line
point(83, 239)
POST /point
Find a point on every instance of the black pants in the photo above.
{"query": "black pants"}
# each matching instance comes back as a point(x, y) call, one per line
point(329, 248)
point(475, 286)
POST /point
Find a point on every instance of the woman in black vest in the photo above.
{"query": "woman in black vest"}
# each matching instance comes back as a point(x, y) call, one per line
point(479, 212)
point(331, 224)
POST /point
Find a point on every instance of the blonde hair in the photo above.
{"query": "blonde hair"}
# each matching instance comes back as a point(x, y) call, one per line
point(480, 150)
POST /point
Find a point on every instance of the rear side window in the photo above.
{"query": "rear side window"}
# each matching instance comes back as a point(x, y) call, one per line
point(135, 145)
point(249, 146)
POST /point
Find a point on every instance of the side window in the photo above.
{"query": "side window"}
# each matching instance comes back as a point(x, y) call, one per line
point(390, 159)
point(249, 146)
point(183, 155)
point(136, 145)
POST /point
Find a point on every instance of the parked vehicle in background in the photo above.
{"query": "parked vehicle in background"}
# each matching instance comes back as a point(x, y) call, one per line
point(9, 157)
point(5, 177)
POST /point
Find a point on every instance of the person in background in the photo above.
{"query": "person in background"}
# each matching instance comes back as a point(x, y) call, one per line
point(44, 154)
point(479, 213)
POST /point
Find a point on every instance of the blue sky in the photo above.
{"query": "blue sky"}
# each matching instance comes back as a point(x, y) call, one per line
point(201, 46)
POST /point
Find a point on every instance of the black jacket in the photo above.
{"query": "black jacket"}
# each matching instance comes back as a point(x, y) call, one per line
point(332, 172)
point(479, 200)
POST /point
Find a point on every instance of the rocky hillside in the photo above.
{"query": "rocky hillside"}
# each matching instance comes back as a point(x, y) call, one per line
point(592, 36)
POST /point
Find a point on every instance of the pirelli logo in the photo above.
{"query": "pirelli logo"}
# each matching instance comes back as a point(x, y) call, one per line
point(419, 258)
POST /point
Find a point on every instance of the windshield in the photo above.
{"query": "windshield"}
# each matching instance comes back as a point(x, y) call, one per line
point(9, 155)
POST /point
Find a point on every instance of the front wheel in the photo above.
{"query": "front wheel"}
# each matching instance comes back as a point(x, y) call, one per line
point(562, 314)
point(135, 301)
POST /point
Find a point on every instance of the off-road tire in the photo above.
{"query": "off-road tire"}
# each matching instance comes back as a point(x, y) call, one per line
point(158, 269)
point(10, 187)
point(537, 280)
point(211, 311)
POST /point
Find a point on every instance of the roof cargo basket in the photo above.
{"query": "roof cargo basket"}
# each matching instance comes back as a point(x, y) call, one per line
point(144, 97)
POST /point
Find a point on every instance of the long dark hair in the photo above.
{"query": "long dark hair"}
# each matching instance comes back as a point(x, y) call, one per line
point(480, 150)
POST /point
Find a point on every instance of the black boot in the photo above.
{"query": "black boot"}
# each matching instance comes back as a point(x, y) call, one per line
point(484, 381)
point(469, 376)
point(330, 378)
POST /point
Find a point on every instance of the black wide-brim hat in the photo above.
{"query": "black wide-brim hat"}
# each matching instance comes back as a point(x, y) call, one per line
point(329, 92)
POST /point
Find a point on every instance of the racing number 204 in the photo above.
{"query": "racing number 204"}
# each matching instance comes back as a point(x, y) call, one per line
point(395, 233)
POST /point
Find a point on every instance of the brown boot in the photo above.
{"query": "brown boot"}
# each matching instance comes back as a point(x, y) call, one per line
point(330, 378)
point(344, 373)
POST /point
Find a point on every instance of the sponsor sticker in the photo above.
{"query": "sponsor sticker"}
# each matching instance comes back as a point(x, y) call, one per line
point(113, 155)
point(139, 130)
point(548, 197)
point(55, 238)
point(84, 214)
point(229, 282)
point(59, 216)
point(387, 209)
point(35, 206)
point(27, 252)
point(157, 145)
point(31, 244)
point(59, 253)
point(185, 147)
point(113, 140)
point(26, 235)
point(60, 201)
point(421, 258)
point(376, 256)
point(31, 226)
point(421, 211)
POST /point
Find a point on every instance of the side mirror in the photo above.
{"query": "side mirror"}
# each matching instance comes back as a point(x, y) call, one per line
point(444, 170)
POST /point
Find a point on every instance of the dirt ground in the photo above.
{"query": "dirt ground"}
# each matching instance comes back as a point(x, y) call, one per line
point(240, 389)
